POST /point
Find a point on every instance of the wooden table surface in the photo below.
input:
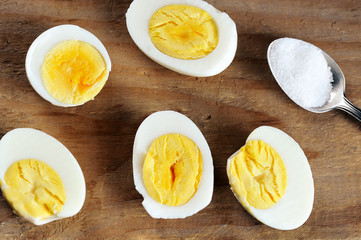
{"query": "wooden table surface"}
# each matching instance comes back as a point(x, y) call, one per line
point(226, 107)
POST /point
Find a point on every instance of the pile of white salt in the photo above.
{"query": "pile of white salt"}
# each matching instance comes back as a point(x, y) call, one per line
point(301, 71)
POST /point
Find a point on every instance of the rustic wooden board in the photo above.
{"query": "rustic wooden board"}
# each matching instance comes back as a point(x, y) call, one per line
point(226, 107)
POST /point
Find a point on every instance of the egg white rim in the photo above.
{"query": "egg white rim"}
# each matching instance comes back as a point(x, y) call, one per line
point(45, 42)
point(25, 143)
point(293, 209)
point(210, 65)
point(153, 127)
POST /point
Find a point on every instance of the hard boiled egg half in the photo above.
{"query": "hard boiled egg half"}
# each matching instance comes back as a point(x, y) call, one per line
point(67, 65)
point(270, 176)
point(172, 166)
point(190, 37)
point(39, 177)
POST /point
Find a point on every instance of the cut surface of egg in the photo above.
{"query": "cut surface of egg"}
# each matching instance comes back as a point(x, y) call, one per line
point(258, 175)
point(271, 177)
point(39, 177)
point(190, 37)
point(33, 189)
point(67, 65)
point(183, 31)
point(172, 169)
point(172, 166)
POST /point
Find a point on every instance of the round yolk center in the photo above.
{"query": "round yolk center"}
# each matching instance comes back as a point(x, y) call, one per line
point(33, 189)
point(172, 169)
point(184, 32)
point(258, 175)
point(74, 72)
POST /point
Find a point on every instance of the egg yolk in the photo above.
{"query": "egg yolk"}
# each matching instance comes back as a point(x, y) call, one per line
point(172, 169)
point(33, 189)
point(74, 72)
point(258, 175)
point(184, 32)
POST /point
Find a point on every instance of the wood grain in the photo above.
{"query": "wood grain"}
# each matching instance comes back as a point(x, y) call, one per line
point(226, 107)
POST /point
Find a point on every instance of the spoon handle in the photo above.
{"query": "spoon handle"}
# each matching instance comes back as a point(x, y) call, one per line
point(348, 107)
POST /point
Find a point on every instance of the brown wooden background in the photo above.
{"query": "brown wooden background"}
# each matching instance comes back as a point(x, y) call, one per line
point(226, 107)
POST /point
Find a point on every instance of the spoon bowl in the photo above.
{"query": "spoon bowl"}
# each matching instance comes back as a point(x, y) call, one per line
point(337, 98)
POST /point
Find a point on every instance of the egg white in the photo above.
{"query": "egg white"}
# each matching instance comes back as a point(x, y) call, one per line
point(154, 126)
point(25, 143)
point(295, 206)
point(44, 43)
point(137, 19)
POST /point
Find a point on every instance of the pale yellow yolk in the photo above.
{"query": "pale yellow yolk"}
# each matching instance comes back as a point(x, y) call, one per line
point(184, 32)
point(74, 72)
point(33, 189)
point(258, 175)
point(172, 169)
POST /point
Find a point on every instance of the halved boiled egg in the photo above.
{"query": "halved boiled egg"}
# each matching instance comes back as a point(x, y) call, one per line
point(190, 37)
point(67, 65)
point(39, 177)
point(271, 177)
point(172, 166)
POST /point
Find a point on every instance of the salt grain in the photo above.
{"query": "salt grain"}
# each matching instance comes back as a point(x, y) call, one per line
point(301, 71)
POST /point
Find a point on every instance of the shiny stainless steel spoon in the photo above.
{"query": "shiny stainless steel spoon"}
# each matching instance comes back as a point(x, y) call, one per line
point(337, 99)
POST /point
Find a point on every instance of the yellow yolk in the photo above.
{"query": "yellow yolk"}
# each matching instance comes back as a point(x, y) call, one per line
point(33, 189)
point(74, 72)
point(258, 175)
point(172, 169)
point(184, 32)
